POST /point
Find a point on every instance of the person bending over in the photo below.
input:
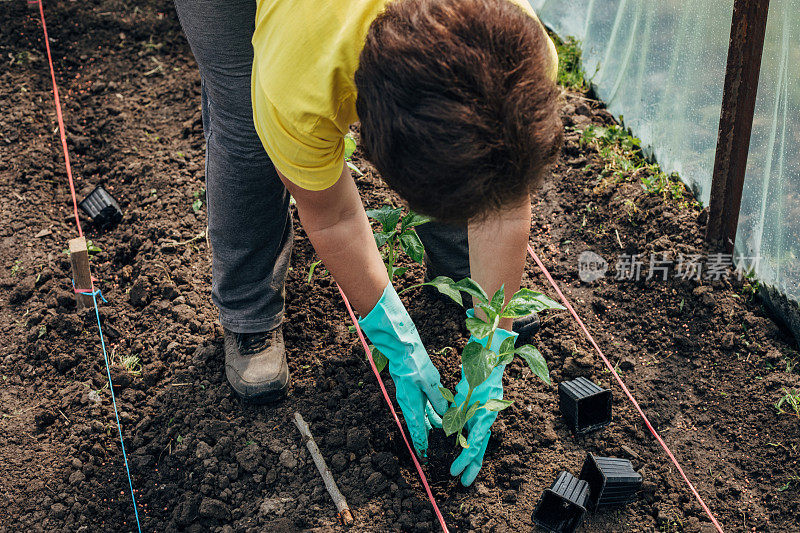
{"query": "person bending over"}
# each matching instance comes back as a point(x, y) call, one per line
point(459, 113)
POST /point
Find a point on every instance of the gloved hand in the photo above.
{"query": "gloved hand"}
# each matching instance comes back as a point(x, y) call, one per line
point(469, 461)
point(416, 380)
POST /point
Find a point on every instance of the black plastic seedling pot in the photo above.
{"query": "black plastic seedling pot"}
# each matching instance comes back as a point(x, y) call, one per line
point(612, 482)
point(102, 208)
point(561, 508)
point(585, 406)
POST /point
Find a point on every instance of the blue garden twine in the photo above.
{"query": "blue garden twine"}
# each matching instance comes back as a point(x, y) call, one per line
point(94, 294)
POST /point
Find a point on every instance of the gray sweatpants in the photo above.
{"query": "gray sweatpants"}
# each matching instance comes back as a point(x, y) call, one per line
point(249, 225)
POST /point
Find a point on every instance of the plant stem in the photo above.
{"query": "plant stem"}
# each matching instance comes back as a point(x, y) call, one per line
point(390, 259)
point(489, 340)
point(466, 401)
point(411, 287)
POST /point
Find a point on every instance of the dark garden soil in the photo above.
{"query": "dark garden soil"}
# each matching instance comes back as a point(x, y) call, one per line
point(707, 363)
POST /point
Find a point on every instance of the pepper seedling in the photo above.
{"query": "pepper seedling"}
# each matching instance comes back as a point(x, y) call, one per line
point(478, 361)
point(391, 239)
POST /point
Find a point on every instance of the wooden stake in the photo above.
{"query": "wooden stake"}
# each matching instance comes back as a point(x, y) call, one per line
point(81, 276)
point(748, 27)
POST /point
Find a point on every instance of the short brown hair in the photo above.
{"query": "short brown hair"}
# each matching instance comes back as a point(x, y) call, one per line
point(457, 110)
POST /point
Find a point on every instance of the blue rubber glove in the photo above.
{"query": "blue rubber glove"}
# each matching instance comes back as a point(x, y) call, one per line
point(469, 461)
point(416, 380)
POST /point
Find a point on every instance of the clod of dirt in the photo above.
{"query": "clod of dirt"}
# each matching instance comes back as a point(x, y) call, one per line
point(139, 295)
point(338, 462)
point(250, 458)
point(273, 506)
point(203, 451)
point(704, 294)
point(76, 477)
point(212, 508)
point(22, 291)
point(385, 462)
point(287, 459)
point(357, 439)
point(376, 483)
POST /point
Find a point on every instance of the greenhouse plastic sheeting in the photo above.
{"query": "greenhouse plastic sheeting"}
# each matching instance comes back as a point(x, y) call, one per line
point(769, 220)
point(661, 65)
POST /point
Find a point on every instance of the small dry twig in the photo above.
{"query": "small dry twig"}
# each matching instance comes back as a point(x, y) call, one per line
point(341, 504)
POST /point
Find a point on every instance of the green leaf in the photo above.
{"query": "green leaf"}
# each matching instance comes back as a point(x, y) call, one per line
point(311, 270)
point(400, 271)
point(472, 410)
point(92, 248)
point(497, 405)
point(505, 358)
point(498, 299)
point(447, 287)
point(447, 394)
point(354, 168)
point(491, 314)
point(507, 346)
point(380, 360)
point(525, 302)
point(536, 361)
point(388, 217)
point(452, 421)
point(409, 241)
point(475, 361)
point(196, 205)
point(413, 219)
point(472, 288)
point(382, 238)
point(349, 146)
point(479, 328)
point(462, 441)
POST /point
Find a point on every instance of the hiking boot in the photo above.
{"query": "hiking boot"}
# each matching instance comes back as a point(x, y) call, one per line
point(255, 365)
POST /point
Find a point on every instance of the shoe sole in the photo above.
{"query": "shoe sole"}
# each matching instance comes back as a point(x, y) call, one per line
point(261, 398)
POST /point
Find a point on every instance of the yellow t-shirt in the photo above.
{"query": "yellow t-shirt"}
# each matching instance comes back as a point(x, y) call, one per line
point(304, 96)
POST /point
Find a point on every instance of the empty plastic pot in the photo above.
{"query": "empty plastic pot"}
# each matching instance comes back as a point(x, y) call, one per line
point(562, 507)
point(585, 406)
point(612, 482)
point(102, 208)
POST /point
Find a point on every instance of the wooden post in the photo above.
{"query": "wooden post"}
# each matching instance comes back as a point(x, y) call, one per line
point(736, 120)
point(81, 276)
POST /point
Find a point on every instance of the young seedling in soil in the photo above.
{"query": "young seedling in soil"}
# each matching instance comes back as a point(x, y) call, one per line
point(91, 247)
point(478, 361)
point(311, 270)
point(391, 240)
point(790, 398)
point(198, 199)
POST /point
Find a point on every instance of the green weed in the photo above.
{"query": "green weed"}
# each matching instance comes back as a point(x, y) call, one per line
point(790, 399)
point(198, 196)
point(570, 67)
point(625, 161)
point(751, 285)
point(130, 363)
